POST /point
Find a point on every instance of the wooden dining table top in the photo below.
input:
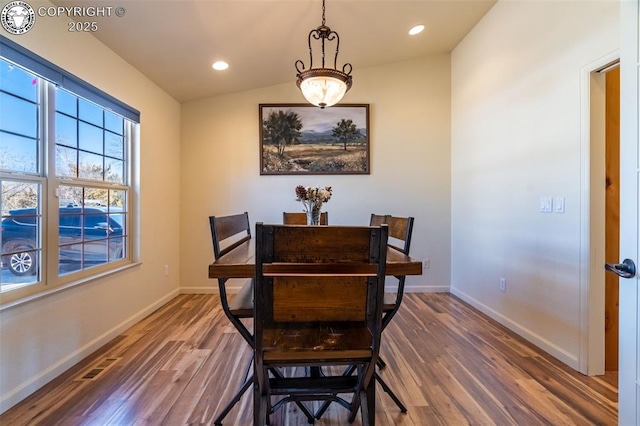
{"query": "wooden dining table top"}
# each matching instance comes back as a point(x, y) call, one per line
point(240, 263)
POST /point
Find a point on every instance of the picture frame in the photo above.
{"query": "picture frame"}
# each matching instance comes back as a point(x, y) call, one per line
point(302, 139)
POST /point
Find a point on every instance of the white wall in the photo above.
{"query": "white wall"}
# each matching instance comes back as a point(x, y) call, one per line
point(516, 137)
point(41, 339)
point(410, 165)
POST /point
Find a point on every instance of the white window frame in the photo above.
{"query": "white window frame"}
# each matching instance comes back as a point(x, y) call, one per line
point(49, 278)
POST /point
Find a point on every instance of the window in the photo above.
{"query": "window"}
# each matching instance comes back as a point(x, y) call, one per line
point(65, 175)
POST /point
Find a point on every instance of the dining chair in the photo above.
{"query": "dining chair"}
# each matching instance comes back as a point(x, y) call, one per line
point(400, 231)
point(229, 232)
point(319, 294)
point(300, 218)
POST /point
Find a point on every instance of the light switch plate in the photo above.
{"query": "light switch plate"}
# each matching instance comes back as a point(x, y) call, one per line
point(546, 204)
point(558, 204)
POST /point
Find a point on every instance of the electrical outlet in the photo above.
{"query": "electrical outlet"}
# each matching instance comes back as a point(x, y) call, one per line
point(503, 284)
point(425, 264)
point(166, 270)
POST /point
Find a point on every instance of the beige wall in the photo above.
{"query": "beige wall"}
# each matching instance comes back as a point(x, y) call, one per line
point(41, 339)
point(410, 165)
point(516, 137)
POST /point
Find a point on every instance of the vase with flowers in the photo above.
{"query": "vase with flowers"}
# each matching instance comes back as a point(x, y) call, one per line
point(312, 198)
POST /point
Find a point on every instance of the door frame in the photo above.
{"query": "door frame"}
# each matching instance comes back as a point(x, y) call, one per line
point(592, 215)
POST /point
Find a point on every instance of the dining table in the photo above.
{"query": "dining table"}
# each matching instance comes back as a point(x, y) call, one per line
point(240, 263)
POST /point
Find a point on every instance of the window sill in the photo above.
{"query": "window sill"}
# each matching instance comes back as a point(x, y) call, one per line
point(64, 287)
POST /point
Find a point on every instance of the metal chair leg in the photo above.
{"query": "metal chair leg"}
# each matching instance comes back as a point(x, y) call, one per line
point(388, 390)
point(234, 401)
point(349, 371)
point(381, 363)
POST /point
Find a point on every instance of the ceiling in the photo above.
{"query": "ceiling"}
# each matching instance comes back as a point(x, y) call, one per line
point(175, 42)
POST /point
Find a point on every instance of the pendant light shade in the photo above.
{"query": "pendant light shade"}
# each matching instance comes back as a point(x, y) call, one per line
point(323, 87)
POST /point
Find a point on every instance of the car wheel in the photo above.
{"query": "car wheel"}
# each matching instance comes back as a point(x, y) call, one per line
point(24, 263)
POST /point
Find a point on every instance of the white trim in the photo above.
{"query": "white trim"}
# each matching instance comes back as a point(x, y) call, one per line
point(544, 344)
point(591, 304)
point(207, 290)
point(23, 390)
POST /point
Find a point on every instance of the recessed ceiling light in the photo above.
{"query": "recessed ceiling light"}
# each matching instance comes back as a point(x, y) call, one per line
point(416, 30)
point(220, 65)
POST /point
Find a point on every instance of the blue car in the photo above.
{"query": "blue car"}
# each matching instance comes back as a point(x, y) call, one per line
point(87, 236)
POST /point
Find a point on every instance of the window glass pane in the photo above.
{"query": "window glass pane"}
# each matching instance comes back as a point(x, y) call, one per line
point(90, 112)
point(90, 166)
point(20, 239)
point(66, 161)
point(117, 200)
point(18, 81)
point(113, 122)
point(118, 220)
point(19, 195)
point(70, 259)
point(90, 138)
point(117, 248)
point(70, 196)
point(95, 253)
point(18, 154)
point(96, 226)
point(66, 130)
point(96, 197)
point(113, 145)
point(66, 102)
point(114, 170)
point(18, 116)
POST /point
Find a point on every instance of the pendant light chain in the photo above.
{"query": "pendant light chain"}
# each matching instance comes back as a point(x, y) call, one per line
point(323, 20)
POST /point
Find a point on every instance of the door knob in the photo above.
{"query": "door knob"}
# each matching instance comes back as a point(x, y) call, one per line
point(626, 269)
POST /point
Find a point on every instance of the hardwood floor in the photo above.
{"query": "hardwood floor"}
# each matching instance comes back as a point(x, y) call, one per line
point(448, 363)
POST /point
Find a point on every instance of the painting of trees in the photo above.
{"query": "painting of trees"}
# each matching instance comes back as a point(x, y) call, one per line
point(304, 139)
point(345, 132)
point(281, 128)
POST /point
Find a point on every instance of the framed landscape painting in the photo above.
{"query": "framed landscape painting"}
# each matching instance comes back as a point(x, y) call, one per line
point(302, 139)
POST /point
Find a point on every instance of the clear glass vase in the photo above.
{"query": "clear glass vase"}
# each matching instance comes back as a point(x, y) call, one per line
point(313, 216)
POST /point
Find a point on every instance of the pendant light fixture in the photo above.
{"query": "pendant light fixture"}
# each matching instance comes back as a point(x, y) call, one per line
point(323, 87)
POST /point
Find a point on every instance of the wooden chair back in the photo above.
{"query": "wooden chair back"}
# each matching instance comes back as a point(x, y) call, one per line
point(313, 276)
point(400, 230)
point(300, 218)
point(228, 232)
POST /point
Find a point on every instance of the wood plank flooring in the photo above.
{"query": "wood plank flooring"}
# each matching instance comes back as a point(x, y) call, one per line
point(450, 365)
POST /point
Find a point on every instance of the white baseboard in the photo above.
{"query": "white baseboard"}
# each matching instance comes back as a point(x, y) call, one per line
point(202, 290)
point(570, 359)
point(233, 286)
point(426, 289)
point(20, 392)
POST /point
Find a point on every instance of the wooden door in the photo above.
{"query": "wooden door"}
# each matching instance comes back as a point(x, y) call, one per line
point(612, 215)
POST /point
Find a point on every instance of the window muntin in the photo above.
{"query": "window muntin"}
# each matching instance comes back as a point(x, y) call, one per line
point(88, 173)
